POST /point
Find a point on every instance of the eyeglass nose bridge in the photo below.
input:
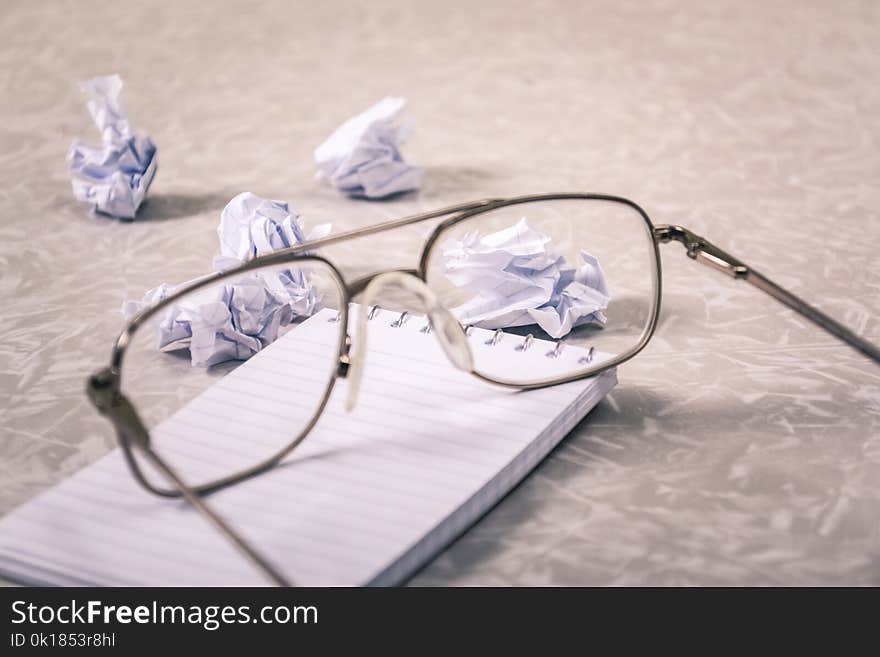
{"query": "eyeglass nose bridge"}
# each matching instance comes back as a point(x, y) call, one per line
point(449, 332)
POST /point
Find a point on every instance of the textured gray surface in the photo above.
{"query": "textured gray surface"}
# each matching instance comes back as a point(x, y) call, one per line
point(742, 447)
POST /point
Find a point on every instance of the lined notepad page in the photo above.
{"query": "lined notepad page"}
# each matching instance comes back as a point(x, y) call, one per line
point(368, 498)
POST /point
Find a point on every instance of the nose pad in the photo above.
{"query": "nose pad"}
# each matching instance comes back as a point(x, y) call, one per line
point(449, 332)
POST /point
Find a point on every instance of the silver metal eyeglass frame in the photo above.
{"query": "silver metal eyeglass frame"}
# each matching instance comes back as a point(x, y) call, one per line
point(105, 392)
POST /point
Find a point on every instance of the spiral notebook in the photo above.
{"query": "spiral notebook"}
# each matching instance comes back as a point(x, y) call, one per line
point(367, 499)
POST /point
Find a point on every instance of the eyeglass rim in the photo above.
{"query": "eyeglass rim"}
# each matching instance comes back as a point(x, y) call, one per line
point(268, 463)
point(656, 275)
point(349, 290)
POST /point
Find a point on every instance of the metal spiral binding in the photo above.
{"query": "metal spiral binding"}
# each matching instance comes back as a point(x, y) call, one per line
point(554, 353)
point(525, 344)
point(497, 336)
point(586, 360)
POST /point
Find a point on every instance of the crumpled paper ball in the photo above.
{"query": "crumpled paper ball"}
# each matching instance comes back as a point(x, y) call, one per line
point(251, 226)
point(113, 178)
point(517, 279)
point(234, 321)
point(225, 322)
point(362, 157)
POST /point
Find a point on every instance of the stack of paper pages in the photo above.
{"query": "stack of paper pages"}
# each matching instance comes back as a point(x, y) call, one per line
point(368, 498)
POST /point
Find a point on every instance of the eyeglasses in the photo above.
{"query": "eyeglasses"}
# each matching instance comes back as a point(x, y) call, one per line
point(577, 269)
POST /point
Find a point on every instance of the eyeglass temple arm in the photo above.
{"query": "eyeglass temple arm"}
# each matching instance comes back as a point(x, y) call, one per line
point(240, 544)
point(103, 389)
point(703, 251)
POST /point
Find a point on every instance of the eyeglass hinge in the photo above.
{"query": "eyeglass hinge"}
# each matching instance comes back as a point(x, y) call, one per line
point(103, 389)
point(700, 249)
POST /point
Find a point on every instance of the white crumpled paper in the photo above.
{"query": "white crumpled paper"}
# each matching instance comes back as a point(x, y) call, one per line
point(236, 320)
point(362, 157)
point(115, 177)
point(518, 279)
point(251, 226)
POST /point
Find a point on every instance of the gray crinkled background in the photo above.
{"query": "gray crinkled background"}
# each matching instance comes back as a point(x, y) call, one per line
point(742, 447)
